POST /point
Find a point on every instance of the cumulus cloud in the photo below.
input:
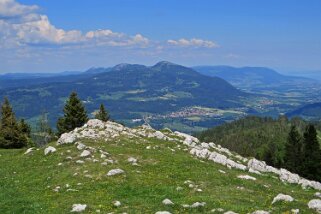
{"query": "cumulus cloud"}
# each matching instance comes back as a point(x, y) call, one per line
point(192, 43)
point(26, 27)
point(11, 8)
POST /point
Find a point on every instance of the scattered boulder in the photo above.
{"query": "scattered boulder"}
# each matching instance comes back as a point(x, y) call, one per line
point(260, 212)
point(81, 146)
point(85, 153)
point(78, 208)
point(29, 151)
point(162, 212)
point(282, 197)
point(246, 177)
point(198, 204)
point(132, 160)
point(230, 212)
point(317, 194)
point(49, 150)
point(167, 202)
point(315, 204)
point(95, 123)
point(116, 203)
point(80, 161)
point(66, 138)
point(115, 172)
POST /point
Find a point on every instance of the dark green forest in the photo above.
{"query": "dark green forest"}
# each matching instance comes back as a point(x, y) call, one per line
point(272, 140)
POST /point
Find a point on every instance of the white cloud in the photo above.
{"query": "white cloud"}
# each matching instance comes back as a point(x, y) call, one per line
point(25, 27)
point(11, 8)
point(192, 43)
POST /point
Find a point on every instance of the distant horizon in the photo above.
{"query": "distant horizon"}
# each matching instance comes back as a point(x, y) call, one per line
point(304, 73)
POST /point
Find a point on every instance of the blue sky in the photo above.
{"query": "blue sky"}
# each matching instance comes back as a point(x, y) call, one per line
point(58, 35)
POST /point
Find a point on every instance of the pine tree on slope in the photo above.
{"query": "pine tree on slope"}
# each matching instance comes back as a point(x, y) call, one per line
point(311, 165)
point(102, 114)
point(10, 134)
point(75, 115)
point(293, 151)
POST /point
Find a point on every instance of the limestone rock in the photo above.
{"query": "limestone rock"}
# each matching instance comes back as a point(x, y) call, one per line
point(85, 153)
point(260, 212)
point(315, 204)
point(115, 172)
point(167, 202)
point(95, 123)
point(246, 177)
point(49, 150)
point(67, 138)
point(282, 197)
point(78, 208)
point(117, 203)
point(29, 151)
point(81, 146)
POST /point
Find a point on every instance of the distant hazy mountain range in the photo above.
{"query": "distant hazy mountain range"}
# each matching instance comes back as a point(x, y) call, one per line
point(129, 91)
point(252, 77)
point(165, 93)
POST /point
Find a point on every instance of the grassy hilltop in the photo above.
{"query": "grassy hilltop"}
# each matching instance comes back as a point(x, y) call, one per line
point(29, 183)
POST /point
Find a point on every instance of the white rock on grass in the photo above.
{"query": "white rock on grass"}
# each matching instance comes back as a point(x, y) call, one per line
point(29, 151)
point(162, 212)
point(117, 203)
point(95, 123)
point(282, 197)
point(198, 204)
point(167, 202)
point(317, 194)
point(77, 208)
point(66, 138)
point(49, 150)
point(260, 212)
point(132, 160)
point(80, 161)
point(246, 177)
point(115, 172)
point(315, 204)
point(85, 153)
point(81, 146)
point(295, 211)
point(230, 212)
point(217, 210)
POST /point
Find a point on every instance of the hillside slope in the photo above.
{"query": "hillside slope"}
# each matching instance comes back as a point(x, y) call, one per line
point(102, 163)
point(129, 92)
point(309, 112)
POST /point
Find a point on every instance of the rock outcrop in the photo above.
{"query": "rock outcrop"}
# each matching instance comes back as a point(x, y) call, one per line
point(97, 130)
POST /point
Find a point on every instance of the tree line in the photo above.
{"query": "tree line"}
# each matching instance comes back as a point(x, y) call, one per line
point(18, 134)
point(282, 143)
point(303, 153)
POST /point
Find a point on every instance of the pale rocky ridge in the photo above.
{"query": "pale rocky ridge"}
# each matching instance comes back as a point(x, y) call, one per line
point(97, 130)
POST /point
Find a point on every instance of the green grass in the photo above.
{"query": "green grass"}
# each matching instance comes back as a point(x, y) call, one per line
point(27, 182)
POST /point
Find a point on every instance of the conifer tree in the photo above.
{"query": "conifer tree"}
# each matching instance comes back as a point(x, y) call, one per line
point(75, 115)
point(293, 151)
point(102, 114)
point(25, 128)
point(10, 134)
point(311, 166)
